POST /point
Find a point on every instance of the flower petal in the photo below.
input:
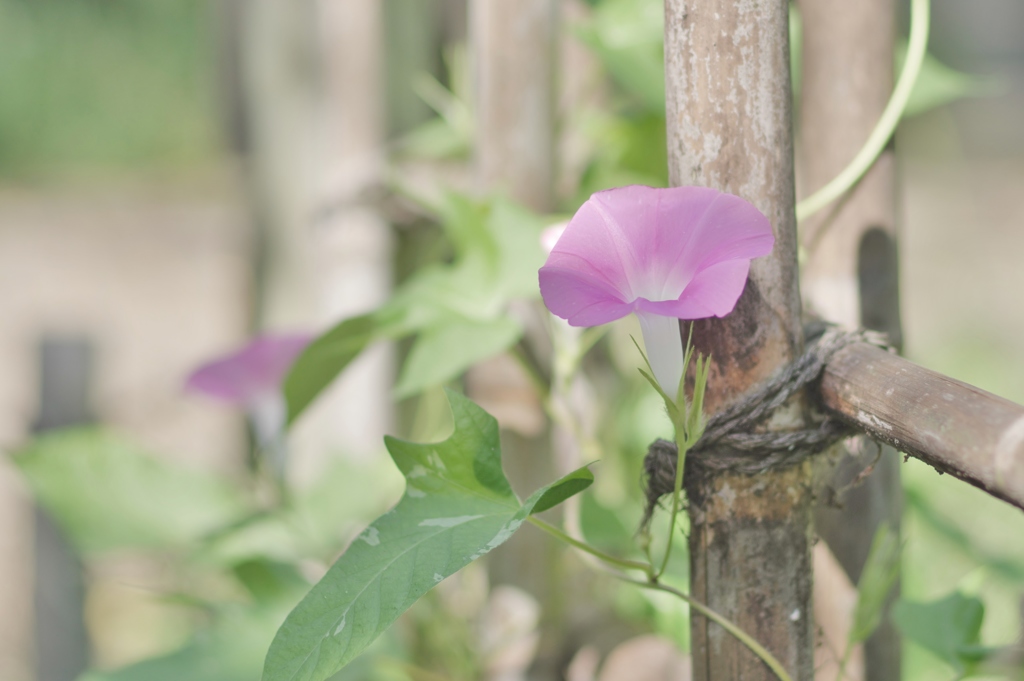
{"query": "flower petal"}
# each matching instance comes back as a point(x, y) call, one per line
point(579, 298)
point(682, 251)
point(250, 373)
point(677, 232)
point(712, 292)
point(597, 243)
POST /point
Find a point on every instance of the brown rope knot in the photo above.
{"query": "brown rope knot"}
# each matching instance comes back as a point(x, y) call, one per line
point(731, 443)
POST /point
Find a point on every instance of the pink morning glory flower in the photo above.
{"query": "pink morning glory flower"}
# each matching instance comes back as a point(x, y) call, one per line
point(251, 378)
point(663, 254)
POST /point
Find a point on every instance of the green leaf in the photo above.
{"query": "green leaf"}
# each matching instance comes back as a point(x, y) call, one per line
point(498, 253)
point(269, 580)
point(881, 570)
point(457, 506)
point(516, 232)
point(938, 84)
point(606, 528)
point(950, 628)
point(464, 221)
point(444, 351)
point(435, 139)
point(628, 37)
point(316, 522)
point(557, 492)
point(329, 355)
point(229, 651)
point(108, 494)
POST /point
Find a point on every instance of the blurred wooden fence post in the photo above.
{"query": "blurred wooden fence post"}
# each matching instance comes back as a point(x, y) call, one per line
point(350, 241)
point(851, 273)
point(729, 127)
point(513, 57)
point(312, 116)
point(17, 616)
point(514, 61)
point(62, 646)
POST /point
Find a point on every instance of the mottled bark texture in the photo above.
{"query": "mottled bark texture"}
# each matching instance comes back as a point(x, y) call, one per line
point(957, 428)
point(729, 127)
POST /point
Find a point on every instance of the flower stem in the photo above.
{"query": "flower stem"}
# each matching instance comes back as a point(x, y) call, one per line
point(653, 584)
point(677, 489)
point(624, 563)
point(586, 548)
point(687, 422)
point(851, 174)
point(734, 630)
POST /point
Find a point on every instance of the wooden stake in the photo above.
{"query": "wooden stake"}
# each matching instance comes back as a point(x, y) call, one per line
point(513, 54)
point(851, 272)
point(729, 127)
point(957, 428)
point(514, 57)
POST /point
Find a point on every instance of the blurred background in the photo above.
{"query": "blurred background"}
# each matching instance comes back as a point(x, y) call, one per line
point(175, 177)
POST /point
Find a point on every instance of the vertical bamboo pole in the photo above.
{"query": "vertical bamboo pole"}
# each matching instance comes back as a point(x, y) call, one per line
point(278, 63)
point(312, 78)
point(62, 644)
point(851, 272)
point(351, 242)
point(729, 127)
point(17, 578)
point(513, 53)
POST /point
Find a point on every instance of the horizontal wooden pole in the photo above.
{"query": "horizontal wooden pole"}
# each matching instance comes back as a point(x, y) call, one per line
point(957, 428)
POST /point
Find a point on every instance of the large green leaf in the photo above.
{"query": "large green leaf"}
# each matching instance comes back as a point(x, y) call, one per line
point(457, 506)
point(108, 494)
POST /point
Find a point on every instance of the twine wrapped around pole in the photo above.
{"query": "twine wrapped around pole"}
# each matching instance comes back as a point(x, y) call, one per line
point(732, 442)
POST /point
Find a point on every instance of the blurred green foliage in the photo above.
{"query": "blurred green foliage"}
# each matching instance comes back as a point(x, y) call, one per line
point(108, 494)
point(237, 560)
point(457, 311)
point(104, 85)
point(950, 628)
point(125, 84)
point(457, 507)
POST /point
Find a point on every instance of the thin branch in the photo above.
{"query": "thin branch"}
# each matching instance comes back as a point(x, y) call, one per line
point(736, 632)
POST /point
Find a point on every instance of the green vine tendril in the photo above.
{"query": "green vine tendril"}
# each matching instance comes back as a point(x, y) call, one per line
point(886, 126)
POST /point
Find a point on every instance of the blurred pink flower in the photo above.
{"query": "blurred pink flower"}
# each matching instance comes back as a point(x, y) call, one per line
point(251, 378)
point(250, 372)
point(664, 254)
